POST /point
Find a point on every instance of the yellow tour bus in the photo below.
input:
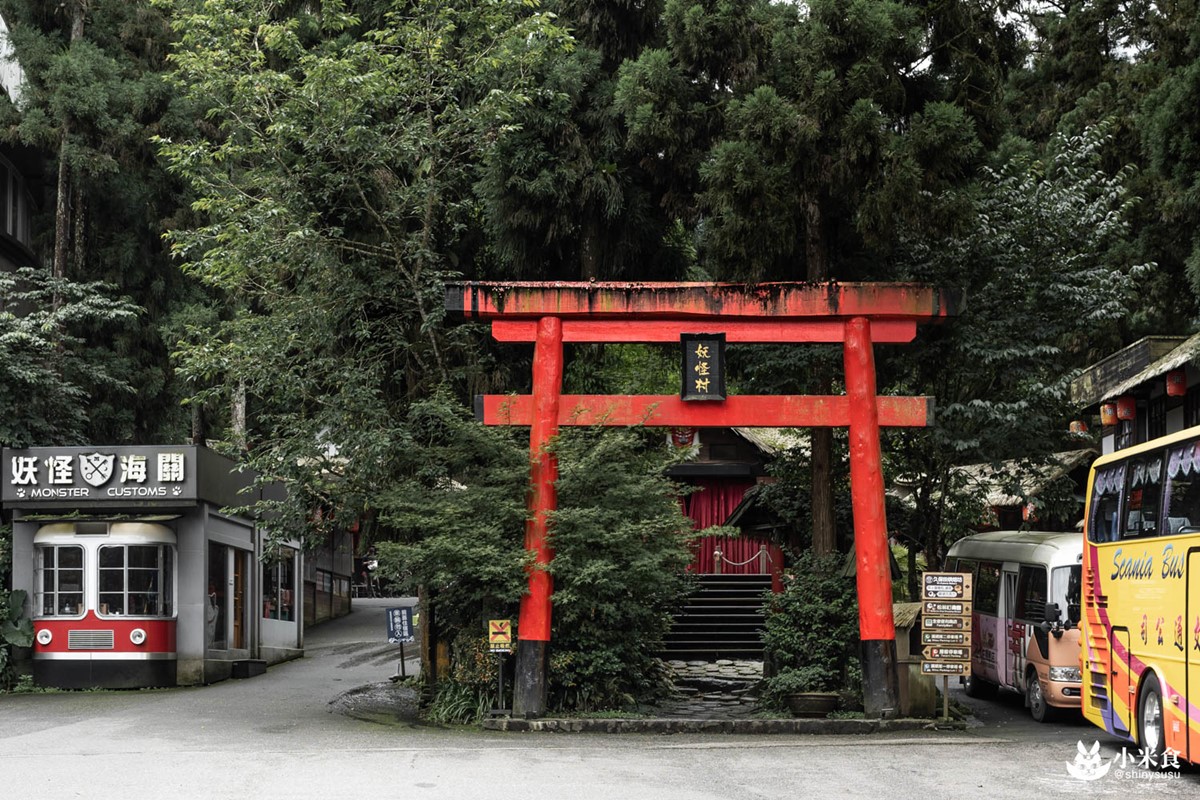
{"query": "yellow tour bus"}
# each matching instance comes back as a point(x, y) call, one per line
point(1141, 596)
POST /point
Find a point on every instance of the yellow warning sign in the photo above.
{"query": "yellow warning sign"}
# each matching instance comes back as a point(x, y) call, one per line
point(499, 631)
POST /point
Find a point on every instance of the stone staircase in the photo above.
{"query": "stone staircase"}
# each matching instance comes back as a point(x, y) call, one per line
point(723, 620)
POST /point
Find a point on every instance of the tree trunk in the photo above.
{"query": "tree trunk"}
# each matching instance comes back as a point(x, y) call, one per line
point(589, 247)
point(824, 533)
point(199, 425)
point(62, 209)
point(237, 414)
point(79, 211)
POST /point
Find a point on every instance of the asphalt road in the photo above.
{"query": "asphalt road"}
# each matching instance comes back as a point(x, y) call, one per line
point(277, 736)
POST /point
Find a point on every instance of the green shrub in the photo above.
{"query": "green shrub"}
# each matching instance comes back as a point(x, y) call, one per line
point(621, 549)
point(16, 630)
point(811, 639)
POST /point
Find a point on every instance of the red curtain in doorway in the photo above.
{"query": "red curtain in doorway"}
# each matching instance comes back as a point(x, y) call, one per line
point(711, 505)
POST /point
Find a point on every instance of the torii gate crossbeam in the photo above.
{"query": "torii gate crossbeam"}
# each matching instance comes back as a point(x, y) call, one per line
point(857, 315)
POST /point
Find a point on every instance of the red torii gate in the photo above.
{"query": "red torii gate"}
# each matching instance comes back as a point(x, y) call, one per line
point(854, 314)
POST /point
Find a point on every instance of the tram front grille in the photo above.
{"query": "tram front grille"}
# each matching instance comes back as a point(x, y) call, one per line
point(89, 640)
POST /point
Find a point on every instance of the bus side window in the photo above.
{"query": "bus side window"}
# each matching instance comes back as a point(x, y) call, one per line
point(987, 588)
point(1183, 490)
point(1144, 497)
point(1031, 594)
point(1107, 487)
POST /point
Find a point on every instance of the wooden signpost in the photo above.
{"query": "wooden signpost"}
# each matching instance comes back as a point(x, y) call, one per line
point(946, 628)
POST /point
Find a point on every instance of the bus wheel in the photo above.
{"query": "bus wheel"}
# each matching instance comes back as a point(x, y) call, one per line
point(977, 687)
point(1039, 709)
point(1151, 731)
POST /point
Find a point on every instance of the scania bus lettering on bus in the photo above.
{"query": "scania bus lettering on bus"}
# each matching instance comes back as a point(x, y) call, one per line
point(1141, 567)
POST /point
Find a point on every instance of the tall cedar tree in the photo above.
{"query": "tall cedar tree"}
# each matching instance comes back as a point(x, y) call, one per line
point(94, 94)
point(1035, 270)
point(816, 131)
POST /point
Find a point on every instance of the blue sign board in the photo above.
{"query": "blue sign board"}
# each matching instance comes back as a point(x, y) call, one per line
point(400, 626)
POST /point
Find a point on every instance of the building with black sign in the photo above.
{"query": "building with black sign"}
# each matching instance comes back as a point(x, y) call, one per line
point(137, 575)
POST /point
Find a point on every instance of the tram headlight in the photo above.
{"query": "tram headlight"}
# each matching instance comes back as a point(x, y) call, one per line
point(1065, 674)
point(44, 637)
point(137, 636)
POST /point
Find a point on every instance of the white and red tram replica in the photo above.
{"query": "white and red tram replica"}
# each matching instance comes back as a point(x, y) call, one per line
point(135, 575)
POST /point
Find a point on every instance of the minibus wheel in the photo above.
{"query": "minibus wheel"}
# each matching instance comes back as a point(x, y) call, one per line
point(1035, 698)
point(1151, 728)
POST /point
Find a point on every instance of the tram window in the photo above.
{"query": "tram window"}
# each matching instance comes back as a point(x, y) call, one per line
point(1143, 501)
point(59, 581)
point(1183, 489)
point(136, 580)
point(1106, 502)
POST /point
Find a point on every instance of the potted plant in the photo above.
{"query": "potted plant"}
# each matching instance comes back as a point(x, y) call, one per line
point(811, 637)
point(798, 690)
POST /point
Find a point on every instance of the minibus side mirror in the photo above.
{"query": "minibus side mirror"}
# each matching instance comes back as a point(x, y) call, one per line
point(1052, 623)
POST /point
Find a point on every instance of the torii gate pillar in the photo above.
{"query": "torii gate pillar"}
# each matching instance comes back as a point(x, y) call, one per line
point(876, 625)
point(856, 315)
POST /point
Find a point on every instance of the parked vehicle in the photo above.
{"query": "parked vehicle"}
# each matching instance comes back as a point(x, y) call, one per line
point(1141, 596)
point(1025, 615)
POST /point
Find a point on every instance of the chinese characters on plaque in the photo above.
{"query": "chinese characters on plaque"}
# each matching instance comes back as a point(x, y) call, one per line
point(703, 366)
point(84, 474)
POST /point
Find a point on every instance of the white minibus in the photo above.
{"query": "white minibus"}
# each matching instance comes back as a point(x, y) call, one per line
point(1025, 615)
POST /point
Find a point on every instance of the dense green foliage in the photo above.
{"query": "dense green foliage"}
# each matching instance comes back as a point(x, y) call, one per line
point(1040, 252)
point(92, 98)
point(620, 541)
point(48, 365)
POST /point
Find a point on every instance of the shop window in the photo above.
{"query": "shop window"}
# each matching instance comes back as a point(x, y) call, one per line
point(341, 596)
point(1031, 594)
point(1126, 434)
point(215, 616)
point(1143, 499)
point(1191, 409)
point(279, 586)
point(58, 576)
point(135, 580)
point(1156, 418)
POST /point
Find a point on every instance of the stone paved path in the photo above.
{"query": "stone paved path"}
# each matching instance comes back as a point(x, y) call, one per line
point(723, 689)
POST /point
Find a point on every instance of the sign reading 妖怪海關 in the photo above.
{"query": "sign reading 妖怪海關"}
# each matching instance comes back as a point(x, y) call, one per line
point(55, 475)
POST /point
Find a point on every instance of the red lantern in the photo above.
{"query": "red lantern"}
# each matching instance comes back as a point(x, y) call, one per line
point(1108, 414)
point(1126, 408)
point(1177, 383)
point(1078, 426)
